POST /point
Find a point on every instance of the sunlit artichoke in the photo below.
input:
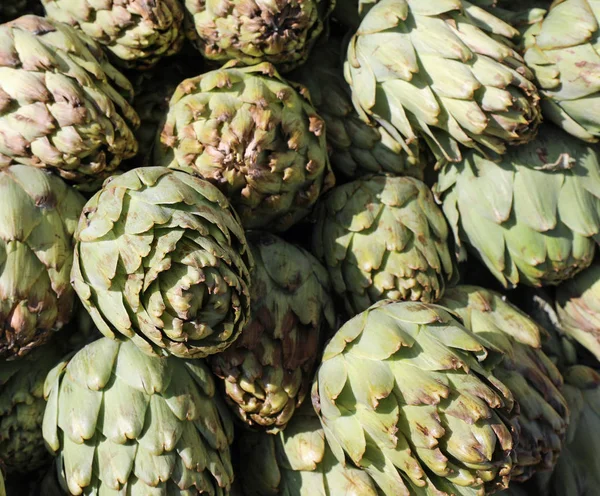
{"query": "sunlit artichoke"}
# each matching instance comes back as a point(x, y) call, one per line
point(161, 258)
point(267, 372)
point(383, 237)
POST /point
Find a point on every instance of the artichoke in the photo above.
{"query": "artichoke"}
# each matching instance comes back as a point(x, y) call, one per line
point(11, 9)
point(531, 218)
point(38, 217)
point(123, 422)
point(401, 391)
point(298, 462)
point(160, 258)
point(563, 52)
point(268, 370)
point(383, 237)
point(281, 32)
point(526, 370)
point(137, 32)
point(251, 134)
point(442, 69)
point(61, 105)
point(357, 148)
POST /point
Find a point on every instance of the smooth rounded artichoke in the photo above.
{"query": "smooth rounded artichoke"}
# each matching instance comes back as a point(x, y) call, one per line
point(298, 462)
point(121, 421)
point(526, 370)
point(255, 137)
point(403, 393)
point(267, 372)
point(161, 259)
point(356, 147)
point(38, 217)
point(137, 32)
point(519, 215)
point(281, 32)
point(383, 237)
point(443, 70)
point(22, 406)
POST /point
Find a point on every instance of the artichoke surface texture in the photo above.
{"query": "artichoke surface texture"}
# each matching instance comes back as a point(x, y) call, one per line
point(267, 372)
point(532, 217)
point(38, 217)
point(123, 422)
point(62, 105)
point(254, 136)
point(160, 258)
point(383, 237)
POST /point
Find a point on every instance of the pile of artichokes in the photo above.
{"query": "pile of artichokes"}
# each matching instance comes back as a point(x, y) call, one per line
point(299, 247)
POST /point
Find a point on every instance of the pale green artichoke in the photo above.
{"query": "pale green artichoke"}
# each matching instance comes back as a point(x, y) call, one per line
point(161, 258)
point(519, 215)
point(122, 422)
point(442, 69)
point(383, 237)
point(38, 217)
point(254, 136)
point(11, 9)
point(251, 31)
point(403, 393)
point(137, 32)
point(267, 372)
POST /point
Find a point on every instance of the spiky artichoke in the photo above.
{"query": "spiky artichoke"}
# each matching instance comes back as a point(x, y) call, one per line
point(383, 237)
point(38, 217)
point(403, 393)
point(11, 9)
point(254, 136)
point(441, 69)
point(250, 31)
point(160, 258)
point(298, 462)
point(268, 370)
point(357, 148)
point(121, 421)
point(519, 215)
point(527, 371)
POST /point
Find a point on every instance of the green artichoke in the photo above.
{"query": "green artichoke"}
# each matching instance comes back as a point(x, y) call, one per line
point(61, 105)
point(401, 391)
point(383, 237)
point(357, 148)
point(11, 9)
point(255, 137)
point(564, 54)
point(22, 405)
point(526, 370)
point(442, 69)
point(123, 422)
point(250, 31)
point(137, 32)
point(160, 258)
point(38, 217)
point(531, 218)
point(298, 462)
point(267, 372)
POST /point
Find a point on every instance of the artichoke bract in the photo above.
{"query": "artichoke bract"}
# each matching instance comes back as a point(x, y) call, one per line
point(443, 70)
point(403, 393)
point(526, 370)
point(357, 147)
point(532, 217)
point(566, 64)
point(62, 105)
point(121, 421)
point(161, 259)
point(254, 136)
point(298, 462)
point(281, 32)
point(383, 237)
point(137, 32)
point(38, 217)
point(267, 372)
